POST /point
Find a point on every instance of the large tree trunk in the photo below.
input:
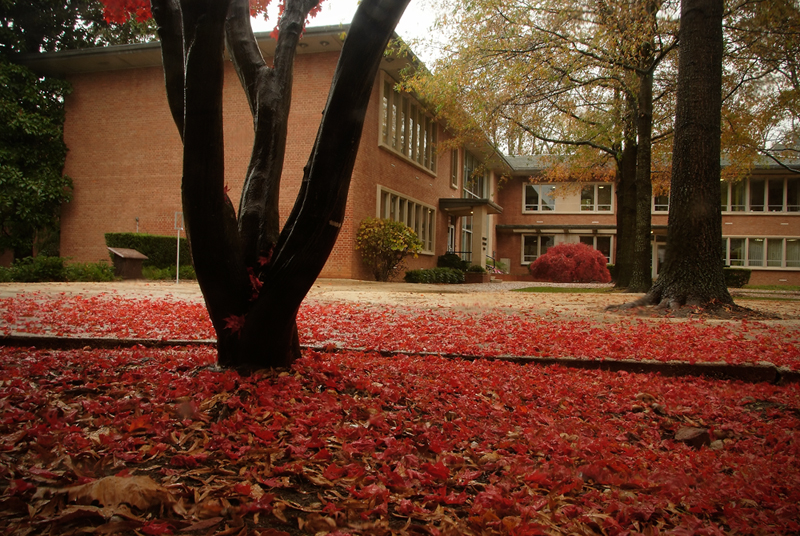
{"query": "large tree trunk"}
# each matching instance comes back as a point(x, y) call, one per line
point(692, 271)
point(626, 214)
point(253, 275)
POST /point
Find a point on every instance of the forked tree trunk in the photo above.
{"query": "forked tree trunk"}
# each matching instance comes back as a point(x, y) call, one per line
point(692, 271)
point(253, 275)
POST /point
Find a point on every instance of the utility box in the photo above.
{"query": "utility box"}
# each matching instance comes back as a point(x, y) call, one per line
point(127, 262)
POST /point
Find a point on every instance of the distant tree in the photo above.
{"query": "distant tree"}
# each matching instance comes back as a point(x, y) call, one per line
point(692, 271)
point(252, 273)
point(384, 244)
point(32, 149)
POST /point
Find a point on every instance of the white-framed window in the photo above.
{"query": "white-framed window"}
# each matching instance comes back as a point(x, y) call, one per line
point(534, 246)
point(406, 129)
point(454, 165)
point(761, 252)
point(419, 216)
point(539, 198)
point(760, 194)
point(474, 178)
point(661, 203)
point(601, 243)
point(596, 197)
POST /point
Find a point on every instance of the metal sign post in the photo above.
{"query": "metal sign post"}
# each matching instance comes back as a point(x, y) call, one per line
point(179, 228)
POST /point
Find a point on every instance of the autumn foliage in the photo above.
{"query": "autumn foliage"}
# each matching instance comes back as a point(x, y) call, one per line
point(571, 263)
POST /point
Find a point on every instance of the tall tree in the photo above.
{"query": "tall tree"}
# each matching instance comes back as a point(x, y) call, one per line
point(580, 79)
point(253, 274)
point(32, 150)
point(692, 271)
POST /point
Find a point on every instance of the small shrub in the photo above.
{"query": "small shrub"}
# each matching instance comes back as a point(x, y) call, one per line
point(384, 244)
point(38, 269)
point(476, 269)
point(435, 275)
point(571, 263)
point(736, 277)
point(451, 260)
point(5, 275)
point(168, 273)
point(89, 271)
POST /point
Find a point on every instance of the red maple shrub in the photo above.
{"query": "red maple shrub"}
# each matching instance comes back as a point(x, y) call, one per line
point(571, 263)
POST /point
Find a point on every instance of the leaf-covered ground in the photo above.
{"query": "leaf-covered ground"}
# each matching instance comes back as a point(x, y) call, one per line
point(489, 332)
point(146, 441)
point(160, 442)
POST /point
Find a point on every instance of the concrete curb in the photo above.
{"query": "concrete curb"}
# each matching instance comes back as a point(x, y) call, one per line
point(757, 373)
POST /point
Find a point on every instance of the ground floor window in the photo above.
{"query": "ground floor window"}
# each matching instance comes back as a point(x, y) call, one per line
point(534, 246)
point(768, 252)
point(419, 216)
point(600, 243)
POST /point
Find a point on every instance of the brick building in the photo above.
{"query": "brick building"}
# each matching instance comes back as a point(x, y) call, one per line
point(125, 161)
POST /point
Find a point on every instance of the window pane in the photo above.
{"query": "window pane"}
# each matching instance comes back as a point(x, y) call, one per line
point(757, 195)
point(775, 195)
point(531, 197)
point(454, 168)
point(604, 246)
point(737, 252)
point(793, 195)
point(737, 196)
point(723, 187)
point(387, 95)
point(774, 251)
point(588, 240)
point(603, 197)
point(661, 203)
point(587, 197)
point(792, 253)
point(755, 252)
point(548, 197)
point(530, 246)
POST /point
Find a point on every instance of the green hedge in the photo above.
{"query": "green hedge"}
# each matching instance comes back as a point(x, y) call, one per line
point(435, 275)
point(736, 277)
point(44, 269)
point(168, 273)
point(160, 250)
point(451, 260)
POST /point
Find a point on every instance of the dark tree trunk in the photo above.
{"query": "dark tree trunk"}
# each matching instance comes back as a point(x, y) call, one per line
point(626, 214)
point(641, 278)
point(692, 271)
point(254, 275)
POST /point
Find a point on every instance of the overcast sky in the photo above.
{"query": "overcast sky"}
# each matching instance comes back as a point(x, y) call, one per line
point(416, 21)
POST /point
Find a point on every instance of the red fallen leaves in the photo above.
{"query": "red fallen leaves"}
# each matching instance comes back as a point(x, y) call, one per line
point(414, 330)
point(361, 444)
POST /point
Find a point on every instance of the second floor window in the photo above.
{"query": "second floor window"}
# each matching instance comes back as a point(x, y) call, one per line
point(539, 197)
point(758, 194)
point(406, 129)
point(474, 178)
point(596, 198)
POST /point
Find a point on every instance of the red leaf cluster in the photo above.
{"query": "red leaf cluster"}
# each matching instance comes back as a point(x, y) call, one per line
point(361, 444)
point(471, 331)
point(571, 263)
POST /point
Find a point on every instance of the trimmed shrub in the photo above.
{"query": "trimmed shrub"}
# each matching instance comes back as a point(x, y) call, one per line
point(736, 277)
point(89, 271)
point(38, 269)
point(435, 275)
point(160, 250)
point(571, 263)
point(451, 260)
point(476, 269)
point(384, 244)
point(168, 273)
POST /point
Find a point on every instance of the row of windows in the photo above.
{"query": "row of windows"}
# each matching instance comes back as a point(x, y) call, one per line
point(534, 246)
point(406, 129)
point(421, 218)
point(760, 251)
point(748, 195)
point(542, 198)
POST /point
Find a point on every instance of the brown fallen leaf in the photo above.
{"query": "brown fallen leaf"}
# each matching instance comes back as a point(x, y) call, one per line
point(141, 492)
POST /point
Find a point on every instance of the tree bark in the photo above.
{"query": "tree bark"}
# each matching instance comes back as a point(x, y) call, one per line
point(641, 276)
point(626, 214)
point(692, 272)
